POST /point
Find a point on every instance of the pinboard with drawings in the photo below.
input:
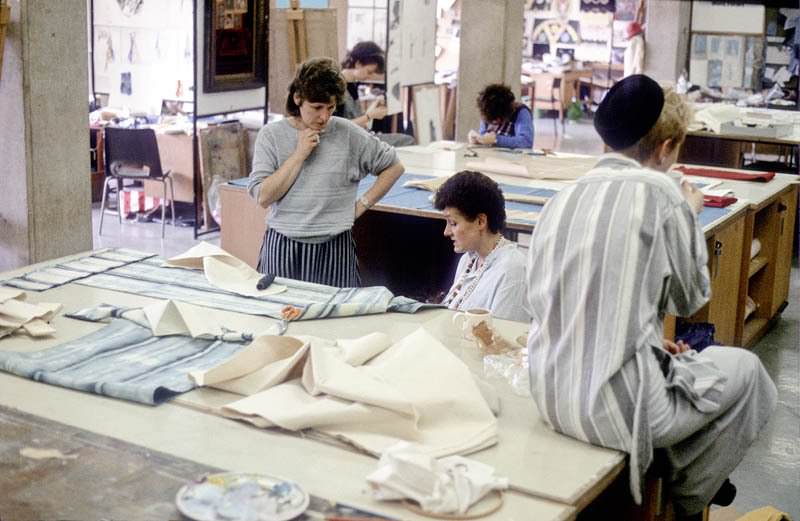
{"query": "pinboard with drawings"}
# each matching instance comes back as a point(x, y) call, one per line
point(427, 119)
point(411, 42)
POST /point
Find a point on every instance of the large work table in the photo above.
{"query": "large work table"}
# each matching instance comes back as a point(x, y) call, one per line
point(552, 476)
point(400, 241)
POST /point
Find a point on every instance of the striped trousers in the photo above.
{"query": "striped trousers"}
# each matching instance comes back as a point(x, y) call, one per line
point(332, 262)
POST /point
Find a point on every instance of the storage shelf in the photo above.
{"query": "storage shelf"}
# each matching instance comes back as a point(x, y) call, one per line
point(753, 328)
point(757, 264)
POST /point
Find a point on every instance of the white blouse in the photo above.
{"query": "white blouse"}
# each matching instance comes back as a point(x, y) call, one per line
point(500, 288)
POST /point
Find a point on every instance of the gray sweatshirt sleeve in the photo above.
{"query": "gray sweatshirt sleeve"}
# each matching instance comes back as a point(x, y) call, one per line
point(374, 156)
point(265, 160)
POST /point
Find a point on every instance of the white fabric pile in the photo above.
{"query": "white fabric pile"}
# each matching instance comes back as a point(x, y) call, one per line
point(18, 315)
point(449, 485)
point(367, 391)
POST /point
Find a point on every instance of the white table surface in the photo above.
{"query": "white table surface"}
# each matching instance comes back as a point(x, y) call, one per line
point(540, 463)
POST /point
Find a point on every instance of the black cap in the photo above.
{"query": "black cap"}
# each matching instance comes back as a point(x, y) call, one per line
point(629, 111)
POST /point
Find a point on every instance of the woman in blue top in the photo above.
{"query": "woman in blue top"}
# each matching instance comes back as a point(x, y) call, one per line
point(505, 122)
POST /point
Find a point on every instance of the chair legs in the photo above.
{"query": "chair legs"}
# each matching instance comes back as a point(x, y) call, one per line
point(164, 208)
point(103, 205)
point(172, 202)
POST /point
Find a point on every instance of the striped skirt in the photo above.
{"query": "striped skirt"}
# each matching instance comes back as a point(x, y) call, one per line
point(332, 263)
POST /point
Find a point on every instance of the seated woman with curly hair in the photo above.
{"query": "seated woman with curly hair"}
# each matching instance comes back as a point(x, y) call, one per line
point(505, 122)
point(491, 273)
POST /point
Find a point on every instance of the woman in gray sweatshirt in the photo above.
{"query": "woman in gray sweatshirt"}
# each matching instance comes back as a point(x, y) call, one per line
point(306, 170)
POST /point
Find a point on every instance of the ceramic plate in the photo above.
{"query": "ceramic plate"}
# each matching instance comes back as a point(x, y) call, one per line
point(236, 496)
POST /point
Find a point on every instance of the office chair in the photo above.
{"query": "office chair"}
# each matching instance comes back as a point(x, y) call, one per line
point(132, 153)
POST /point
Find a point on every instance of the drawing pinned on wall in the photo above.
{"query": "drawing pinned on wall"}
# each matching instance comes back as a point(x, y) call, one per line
point(714, 76)
point(130, 7)
point(699, 44)
point(418, 41)
point(714, 47)
point(106, 47)
point(132, 55)
point(732, 47)
point(125, 84)
point(427, 120)
point(394, 58)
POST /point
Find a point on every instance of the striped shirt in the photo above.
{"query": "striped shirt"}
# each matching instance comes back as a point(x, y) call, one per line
point(321, 202)
point(610, 256)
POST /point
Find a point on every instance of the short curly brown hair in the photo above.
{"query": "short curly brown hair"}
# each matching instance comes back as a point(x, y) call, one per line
point(495, 102)
point(317, 80)
point(473, 193)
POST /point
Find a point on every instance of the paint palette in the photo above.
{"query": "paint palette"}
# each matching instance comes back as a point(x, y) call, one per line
point(236, 496)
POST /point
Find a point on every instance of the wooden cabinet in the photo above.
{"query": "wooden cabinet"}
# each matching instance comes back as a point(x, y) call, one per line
point(787, 215)
point(725, 258)
point(764, 287)
point(750, 268)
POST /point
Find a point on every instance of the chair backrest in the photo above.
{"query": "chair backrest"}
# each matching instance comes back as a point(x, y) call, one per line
point(135, 147)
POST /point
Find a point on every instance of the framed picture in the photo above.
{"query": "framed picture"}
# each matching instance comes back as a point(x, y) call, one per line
point(235, 40)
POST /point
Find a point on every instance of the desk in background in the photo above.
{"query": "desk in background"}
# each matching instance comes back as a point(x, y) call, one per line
point(400, 242)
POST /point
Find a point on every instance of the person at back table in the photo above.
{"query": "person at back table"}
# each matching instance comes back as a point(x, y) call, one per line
point(610, 256)
point(306, 170)
point(491, 271)
point(505, 122)
point(366, 61)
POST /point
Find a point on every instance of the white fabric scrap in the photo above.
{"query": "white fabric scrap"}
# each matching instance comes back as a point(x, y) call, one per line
point(31, 318)
point(448, 485)
point(223, 270)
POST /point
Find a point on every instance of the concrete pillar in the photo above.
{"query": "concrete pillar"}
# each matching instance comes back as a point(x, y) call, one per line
point(491, 52)
point(667, 39)
point(45, 191)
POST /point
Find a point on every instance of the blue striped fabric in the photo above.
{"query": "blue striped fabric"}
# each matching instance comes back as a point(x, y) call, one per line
point(149, 278)
point(63, 273)
point(123, 360)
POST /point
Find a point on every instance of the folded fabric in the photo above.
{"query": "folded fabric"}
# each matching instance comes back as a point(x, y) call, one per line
point(755, 248)
point(449, 485)
point(558, 168)
point(734, 175)
point(126, 359)
point(224, 271)
point(18, 315)
point(718, 201)
point(396, 395)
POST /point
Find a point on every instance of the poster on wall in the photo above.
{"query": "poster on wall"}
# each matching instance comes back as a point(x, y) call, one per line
point(418, 41)
point(394, 54)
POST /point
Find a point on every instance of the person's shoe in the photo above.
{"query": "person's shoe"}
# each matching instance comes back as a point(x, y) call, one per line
point(725, 494)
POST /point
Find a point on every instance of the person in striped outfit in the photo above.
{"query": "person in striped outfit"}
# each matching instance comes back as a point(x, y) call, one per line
point(611, 255)
point(306, 170)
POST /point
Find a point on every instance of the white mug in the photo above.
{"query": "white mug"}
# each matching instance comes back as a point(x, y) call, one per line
point(466, 320)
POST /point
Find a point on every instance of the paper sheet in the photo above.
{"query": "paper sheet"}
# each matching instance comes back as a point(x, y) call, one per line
point(223, 270)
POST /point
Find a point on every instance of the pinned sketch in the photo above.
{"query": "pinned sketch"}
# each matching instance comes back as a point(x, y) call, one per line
point(699, 44)
point(125, 84)
point(418, 41)
point(427, 119)
point(130, 7)
point(394, 54)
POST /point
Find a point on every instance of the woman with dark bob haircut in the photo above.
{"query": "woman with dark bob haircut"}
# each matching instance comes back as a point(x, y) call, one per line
point(306, 170)
point(505, 122)
point(491, 273)
point(366, 61)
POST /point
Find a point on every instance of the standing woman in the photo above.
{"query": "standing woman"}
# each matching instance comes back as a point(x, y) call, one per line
point(306, 170)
